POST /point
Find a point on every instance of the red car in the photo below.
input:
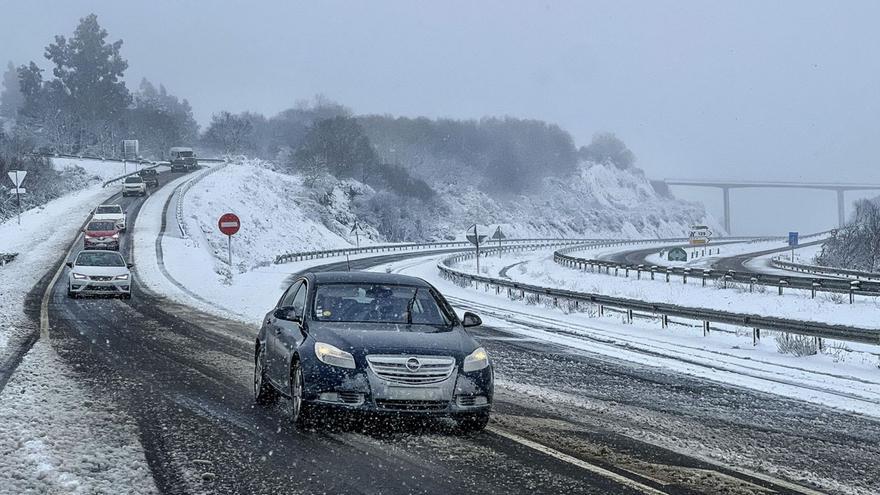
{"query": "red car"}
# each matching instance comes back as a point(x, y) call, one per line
point(101, 234)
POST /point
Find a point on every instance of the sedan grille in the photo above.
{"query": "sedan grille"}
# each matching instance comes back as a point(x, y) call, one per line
point(100, 278)
point(411, 405)
point(412, 370)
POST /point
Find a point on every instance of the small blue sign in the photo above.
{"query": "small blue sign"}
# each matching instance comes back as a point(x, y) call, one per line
point(792, 239)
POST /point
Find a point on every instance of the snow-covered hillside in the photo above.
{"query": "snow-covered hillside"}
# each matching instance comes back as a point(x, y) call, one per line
point(280, 214)
point(600, 201)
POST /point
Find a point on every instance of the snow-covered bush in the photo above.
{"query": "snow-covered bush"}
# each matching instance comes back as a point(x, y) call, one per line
point(797, 345)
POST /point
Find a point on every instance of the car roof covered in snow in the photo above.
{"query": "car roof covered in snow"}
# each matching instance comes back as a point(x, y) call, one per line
point(366, 278)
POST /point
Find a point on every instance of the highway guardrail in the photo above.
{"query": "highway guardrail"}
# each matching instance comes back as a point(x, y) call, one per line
point(823, 270)
point(517, 290)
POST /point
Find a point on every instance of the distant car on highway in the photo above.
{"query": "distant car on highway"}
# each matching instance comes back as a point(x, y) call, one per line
point(101, 234)
point(99, 273)
point(134, 186)
point(150, 177)
point(182, 159)
point(371, 342)
point(113, 213)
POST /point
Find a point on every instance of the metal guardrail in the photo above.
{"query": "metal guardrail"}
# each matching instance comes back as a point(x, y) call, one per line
point(781, 282)
point(664, 311)
point(598, 243)
point(823, 270)
point(181, 194)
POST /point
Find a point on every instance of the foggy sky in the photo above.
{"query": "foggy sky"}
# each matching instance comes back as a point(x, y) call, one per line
point(753, 90)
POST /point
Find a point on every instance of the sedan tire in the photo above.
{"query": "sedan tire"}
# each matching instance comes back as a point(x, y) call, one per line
point(264, 392)
point(300, 411)
point(71, 294)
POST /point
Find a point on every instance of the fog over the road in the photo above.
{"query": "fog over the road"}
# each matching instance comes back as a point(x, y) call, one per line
point(754, 90)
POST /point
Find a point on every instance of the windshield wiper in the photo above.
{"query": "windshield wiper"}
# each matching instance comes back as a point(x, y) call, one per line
point(409, 307)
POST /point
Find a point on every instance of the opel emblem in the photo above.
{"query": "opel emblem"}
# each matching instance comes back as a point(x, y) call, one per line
point(413, 364)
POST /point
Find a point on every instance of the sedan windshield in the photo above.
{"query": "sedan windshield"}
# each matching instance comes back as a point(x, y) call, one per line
point(97, 258)
point(374, 303)
point(100, 226)
point(130, 180)
point(102, 210)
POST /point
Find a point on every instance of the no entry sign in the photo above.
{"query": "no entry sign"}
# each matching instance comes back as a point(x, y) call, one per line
point(229, 223)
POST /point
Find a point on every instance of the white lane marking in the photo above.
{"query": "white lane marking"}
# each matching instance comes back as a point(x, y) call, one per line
point(623, 480)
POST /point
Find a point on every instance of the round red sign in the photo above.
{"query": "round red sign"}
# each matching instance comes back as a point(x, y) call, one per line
point(229, 223)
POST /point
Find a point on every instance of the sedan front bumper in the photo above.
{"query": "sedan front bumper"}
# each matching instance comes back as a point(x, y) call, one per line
point(100, 286)
point(364, 390)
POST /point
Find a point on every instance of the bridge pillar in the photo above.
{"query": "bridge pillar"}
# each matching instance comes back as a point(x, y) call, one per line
point(841, 208)
point(726, 191)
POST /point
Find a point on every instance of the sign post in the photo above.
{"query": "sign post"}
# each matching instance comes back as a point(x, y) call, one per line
point(499, 236)
point(229, 225)
point(17, 177)
point(793, 242)
point(356, 231)
point(475, 238)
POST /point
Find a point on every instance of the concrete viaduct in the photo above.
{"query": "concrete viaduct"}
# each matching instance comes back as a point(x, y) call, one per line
point(727, 185)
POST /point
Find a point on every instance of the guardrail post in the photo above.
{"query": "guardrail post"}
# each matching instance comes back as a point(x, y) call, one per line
point(706, 274)
point(667, 274)
point(615, 271)
point(629, 316)
point(752, 284)
point(684, 275)
point(853, 287)
point(653, 270)
point(664, 321)
point(601, 310)
point(639, 269)
point(756, 335)
point(820, 344)
point(626, 271)
point(782, 283)
point(813, 287)
point(705, 328)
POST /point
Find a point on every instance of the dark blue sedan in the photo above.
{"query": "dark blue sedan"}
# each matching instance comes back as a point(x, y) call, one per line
point(373, 342)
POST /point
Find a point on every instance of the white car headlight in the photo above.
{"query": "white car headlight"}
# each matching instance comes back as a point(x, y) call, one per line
point(124, 276)
point(476, 360)
point(333, 356)
point(79, 276)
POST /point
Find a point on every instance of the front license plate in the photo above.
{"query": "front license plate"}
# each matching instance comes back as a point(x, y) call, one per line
point(410, 393)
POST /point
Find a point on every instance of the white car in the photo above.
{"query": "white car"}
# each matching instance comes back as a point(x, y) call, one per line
point(111, 213)
point(99, 273)
point(134, 186)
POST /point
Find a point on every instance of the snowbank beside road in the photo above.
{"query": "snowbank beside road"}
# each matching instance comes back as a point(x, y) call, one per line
point(56, 438)
point(43, 236)
point(278, 214)
point(52, 437)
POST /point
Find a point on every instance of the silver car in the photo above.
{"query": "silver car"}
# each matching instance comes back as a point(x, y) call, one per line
point(99, 272)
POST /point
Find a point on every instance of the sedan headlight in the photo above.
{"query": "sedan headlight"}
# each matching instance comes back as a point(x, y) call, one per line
point(115, 236)
point(124, 276)
point(333, 356)
point(79, 276)
point(476, 360)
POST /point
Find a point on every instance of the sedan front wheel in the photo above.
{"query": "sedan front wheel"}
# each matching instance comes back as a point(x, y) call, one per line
point(264, 393)
point(300, 411)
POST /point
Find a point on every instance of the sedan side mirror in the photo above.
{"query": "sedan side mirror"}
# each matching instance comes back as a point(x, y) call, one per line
point(471, 320)
point(69, 264)
point(129, 265)
point(287, 313)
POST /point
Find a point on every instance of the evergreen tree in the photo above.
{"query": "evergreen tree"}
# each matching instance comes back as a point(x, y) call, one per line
point(11, 98)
